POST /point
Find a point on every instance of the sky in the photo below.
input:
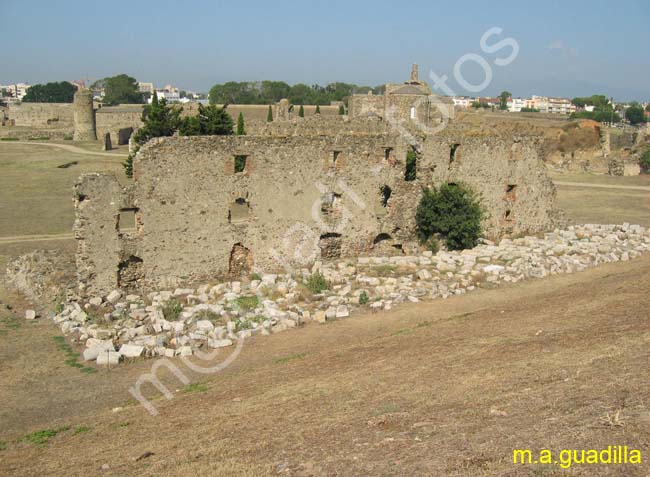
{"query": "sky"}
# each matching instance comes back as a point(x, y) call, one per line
point(565, 48)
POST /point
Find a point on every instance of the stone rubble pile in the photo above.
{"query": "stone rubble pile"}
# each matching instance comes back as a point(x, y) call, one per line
point(179, 322)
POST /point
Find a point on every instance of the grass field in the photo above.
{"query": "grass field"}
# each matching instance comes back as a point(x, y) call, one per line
point(36, 194)
point(440, 388)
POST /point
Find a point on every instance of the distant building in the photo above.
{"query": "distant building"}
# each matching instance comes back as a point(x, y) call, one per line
point(462, 101)
point(169, 93)
point(16, 91)
point(145, 87)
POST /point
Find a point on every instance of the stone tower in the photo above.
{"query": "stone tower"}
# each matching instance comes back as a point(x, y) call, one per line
point(84, 116)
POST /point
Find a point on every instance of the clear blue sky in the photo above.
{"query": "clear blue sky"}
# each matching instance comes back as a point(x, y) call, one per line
point(567, 48)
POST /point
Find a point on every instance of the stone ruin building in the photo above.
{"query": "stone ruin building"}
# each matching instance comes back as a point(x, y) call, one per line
point(294, 193)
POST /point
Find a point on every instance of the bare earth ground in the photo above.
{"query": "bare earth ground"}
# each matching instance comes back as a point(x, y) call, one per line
point(441, 388)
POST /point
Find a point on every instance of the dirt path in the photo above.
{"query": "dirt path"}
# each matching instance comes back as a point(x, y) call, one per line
point(68, 148)
point(601, 186)
point(448, 387)
point(34, 238)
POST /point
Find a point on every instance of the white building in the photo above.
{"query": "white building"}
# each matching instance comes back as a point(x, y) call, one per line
point(462, 102)
point(169, 96)
point(515, 104)
point(17, 91)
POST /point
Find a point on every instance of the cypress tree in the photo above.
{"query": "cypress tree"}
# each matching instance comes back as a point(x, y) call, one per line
point(269, 115)
point(341, 110)
point(317, 109)
point(301, 112)
point(241, 131)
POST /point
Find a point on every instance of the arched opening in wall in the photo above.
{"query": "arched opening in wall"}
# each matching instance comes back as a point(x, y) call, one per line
point(410, 172)
point(511, 192)
point(330, 245)
point(241, 260)
point(385, 192)
point(381, 238)
point(454, 153)
point(335, 156)
point(130, 273)
point(508, 215)
point(123, 136)
point(413, 112)
point(382, 244)
point(239, 211)
point(398, 247)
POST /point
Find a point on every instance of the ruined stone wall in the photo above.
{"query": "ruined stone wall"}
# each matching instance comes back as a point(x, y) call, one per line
point(119, 121)
point(41, 114)
point(508, 174)
point(325, 195)
point(101, 244)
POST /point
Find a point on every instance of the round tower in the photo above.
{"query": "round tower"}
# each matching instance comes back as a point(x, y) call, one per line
point(84, 116)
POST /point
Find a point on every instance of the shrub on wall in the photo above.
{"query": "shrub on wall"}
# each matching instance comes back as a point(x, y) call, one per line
point(644, 162)
point(452, 211)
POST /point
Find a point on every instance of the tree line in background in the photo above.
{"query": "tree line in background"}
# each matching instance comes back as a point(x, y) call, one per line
point(270, 92)
point(163, 120)
point(56, 92)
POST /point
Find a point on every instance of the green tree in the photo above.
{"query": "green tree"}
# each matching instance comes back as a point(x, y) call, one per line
point(300, 94)
point(159, 119)
point(454, 212)
point(317, 109)
point(122, 89)
point(61, 92)
point(241, 131)
point(634, 114)
point(210, 121)
point(301, 111)
point(503, 100)
point(341, 110)
point(273, 91)
point(269, 115)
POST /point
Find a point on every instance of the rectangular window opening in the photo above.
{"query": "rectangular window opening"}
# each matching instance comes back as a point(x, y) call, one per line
point(126, 220)
point(452, 152)
point(240, 163)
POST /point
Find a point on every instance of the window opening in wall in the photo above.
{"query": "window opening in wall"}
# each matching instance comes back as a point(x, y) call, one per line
point(508, 215)
point(410, 172)
point(452, 152)
point(335, 156)
point(385, 195)
point(240, 163)
point(239, 210)
point(387, 152)
point(413, 112)
point(126, 220)
point(511, 191)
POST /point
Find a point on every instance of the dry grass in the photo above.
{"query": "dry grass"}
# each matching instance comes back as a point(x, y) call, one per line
point(556, 363)
point(35, 194)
